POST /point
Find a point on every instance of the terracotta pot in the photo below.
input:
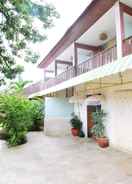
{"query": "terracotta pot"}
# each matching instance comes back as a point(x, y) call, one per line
point(103, 142)
point(94, 137)
point(75, 132)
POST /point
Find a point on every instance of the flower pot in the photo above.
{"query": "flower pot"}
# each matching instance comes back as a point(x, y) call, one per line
point(94, 137)
point(75, 132)
point(103, 142)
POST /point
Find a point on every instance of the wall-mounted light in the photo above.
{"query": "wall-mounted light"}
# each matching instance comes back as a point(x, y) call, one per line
point(103, 36)
point(96, 94)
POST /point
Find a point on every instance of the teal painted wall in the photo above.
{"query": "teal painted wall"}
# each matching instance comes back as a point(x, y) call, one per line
point(128, 29)
point(58, 107)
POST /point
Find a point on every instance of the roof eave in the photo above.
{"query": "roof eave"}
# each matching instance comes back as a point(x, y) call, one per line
point(91, 14)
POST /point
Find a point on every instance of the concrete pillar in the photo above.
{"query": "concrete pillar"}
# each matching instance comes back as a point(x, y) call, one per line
point(120, 29)
point(75, 59)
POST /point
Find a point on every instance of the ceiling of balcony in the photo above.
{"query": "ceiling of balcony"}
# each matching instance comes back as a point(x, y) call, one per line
point(128, 2)
point(106, 24)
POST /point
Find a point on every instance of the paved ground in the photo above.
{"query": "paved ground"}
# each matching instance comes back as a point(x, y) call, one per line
point(48, 160)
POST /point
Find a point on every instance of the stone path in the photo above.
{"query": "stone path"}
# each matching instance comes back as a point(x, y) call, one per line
point(52, 160)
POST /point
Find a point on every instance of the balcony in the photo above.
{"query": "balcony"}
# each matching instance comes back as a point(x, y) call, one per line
point(127, 46)
point(101, 58)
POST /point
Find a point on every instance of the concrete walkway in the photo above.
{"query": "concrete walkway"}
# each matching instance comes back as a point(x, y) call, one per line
point(50, 160)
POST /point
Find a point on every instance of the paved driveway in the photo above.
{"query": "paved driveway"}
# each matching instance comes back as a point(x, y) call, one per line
point(48, 160)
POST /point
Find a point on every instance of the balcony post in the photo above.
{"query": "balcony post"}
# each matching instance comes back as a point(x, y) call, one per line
point(55, 68)
point(120, 29)
point(75, 59)
point(44, 76)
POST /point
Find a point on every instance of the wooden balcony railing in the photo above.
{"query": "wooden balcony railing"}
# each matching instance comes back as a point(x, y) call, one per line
point(100, 59)
point(68, 74)
point(127, 46)
point(33, 88)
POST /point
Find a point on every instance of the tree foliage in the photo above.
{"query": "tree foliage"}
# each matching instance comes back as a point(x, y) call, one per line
point(18, 86)
point(18, 29)
point(15, 118)
point(18, 115)
point(37, 114)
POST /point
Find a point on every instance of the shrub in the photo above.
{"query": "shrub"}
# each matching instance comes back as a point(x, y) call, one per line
point(99, 118)
point(15, 118)
point(37, 112)
point(76, 122)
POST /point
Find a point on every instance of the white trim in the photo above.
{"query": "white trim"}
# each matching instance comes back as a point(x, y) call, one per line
point(118, 30)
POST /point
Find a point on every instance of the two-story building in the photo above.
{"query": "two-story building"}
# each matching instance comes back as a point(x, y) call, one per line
point(91, 66)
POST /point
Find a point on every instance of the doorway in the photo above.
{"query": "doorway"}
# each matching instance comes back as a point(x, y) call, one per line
point(90, 123)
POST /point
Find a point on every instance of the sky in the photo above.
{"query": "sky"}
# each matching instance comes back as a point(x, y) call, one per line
point(69, 11)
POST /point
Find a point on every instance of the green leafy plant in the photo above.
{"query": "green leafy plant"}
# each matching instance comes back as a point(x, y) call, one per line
point(15, 118)
point(99, 118)
point(18, 32)
point(18, 86)
point(76, 122)
point(37, 114)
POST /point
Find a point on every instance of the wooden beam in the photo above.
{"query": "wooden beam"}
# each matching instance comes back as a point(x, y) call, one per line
point(64, 62)
point(92, 13)
point(75, 59)
point(55, 68)
point(87, 47)
point(127, 9)
point(49, 71)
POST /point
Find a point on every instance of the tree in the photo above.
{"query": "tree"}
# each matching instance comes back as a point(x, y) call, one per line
point(18, 30)
point(18, 86)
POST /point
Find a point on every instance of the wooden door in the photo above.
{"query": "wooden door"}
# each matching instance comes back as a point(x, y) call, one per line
point(90, 123)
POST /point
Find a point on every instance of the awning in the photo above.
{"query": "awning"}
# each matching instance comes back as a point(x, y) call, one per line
point(77, 99)
point(94, 100)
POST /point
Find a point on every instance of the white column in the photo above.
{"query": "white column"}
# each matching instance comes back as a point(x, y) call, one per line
point(120, 33)
point(44, 75)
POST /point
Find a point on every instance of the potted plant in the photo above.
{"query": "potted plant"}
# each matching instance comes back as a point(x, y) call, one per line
point(99, 129)
point(76, 125)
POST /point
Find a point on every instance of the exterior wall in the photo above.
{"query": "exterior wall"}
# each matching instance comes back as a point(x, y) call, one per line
point(80, 111)
point(128, 29)
point(58, 107)
point(118, 106)
point(57, 115)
